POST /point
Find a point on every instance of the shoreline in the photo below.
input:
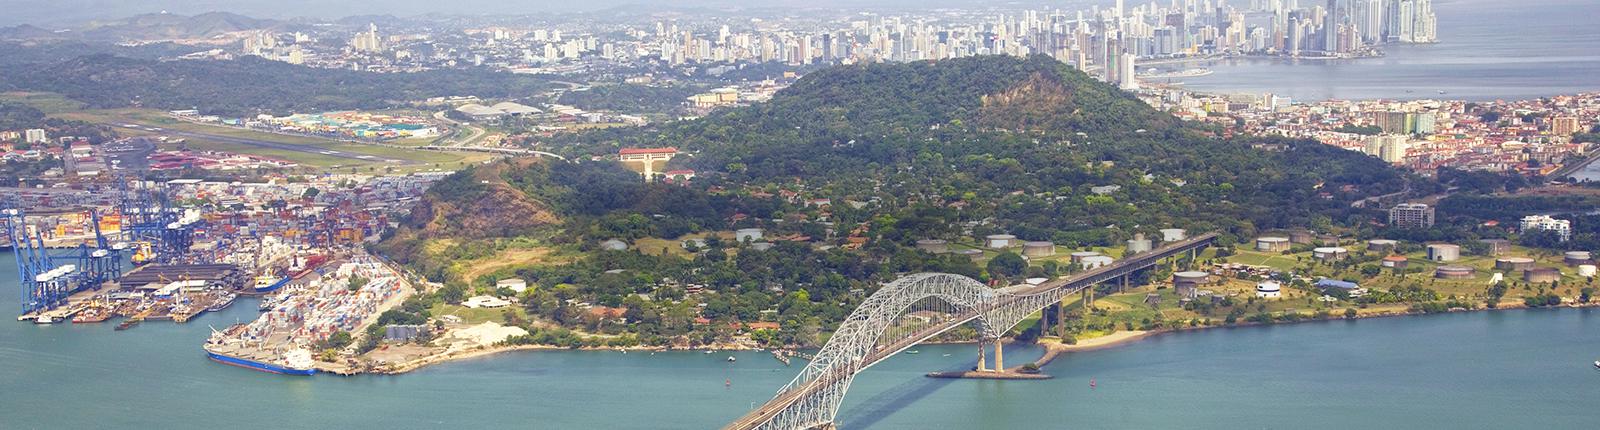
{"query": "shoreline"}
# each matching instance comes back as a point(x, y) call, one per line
point(1054, 349)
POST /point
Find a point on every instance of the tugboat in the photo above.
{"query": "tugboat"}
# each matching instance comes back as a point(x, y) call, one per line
point(127, 324)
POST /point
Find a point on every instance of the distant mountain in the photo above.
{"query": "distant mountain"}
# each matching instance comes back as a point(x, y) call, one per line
point(248, 85)
point(154, 26)
point(30, 32)
point(169, 26)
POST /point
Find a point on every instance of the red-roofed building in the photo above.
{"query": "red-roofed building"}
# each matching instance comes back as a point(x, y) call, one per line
point(646, 159)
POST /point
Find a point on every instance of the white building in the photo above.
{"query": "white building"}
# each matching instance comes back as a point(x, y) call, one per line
point(1561, 227)
point(34, 135)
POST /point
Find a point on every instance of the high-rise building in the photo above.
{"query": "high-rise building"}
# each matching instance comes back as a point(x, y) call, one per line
point(1411, 215)
point(1394, 149)
point(1563, 125)
point(34, 135)
point(1126, 71)
point(1561, 227)
point(368, 41)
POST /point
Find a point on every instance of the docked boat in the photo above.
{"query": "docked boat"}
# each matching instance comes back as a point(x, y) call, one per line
point(127, 324)
point(267, 284)
point(44, 320)
point(223, 302)
point(267, 303)
point(92, 314)
point(295, 362)
point(914, 352)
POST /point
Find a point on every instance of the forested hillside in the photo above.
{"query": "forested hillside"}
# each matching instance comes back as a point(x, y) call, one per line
point(849, 167)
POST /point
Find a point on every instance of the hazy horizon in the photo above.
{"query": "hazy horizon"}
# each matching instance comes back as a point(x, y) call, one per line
point(58, 13)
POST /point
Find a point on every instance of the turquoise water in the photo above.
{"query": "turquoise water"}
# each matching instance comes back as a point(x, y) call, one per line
point(1516, 369)
point(1487, 50)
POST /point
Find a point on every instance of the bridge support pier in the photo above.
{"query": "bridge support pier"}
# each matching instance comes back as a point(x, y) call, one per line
point(999, 355)
point(980, 356)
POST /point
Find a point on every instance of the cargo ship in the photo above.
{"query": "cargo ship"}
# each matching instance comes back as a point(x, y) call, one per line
point(267, 284)
point(295, 362)
point(223, 347)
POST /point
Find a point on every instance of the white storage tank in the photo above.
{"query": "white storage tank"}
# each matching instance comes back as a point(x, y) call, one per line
point(936, 246)
point(750, 234)
point(1329, 253)
point(1139, 244)
point(1269, 289)
point(1272, 244)
point(1038, 249)
point(972, 254)
point(997, 241)
point(1574, 258)
point(1173, 234)
point(1586, 270)
point(1077, 257)
point(1096, 261)
point(1444, 252)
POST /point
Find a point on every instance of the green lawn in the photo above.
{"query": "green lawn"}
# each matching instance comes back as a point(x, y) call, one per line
point(412, 160)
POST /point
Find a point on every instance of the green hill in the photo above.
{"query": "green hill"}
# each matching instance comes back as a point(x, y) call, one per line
point(950, 150)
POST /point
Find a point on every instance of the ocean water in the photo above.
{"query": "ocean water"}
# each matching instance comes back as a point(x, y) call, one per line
point(1513, 369)
point(1488, 49)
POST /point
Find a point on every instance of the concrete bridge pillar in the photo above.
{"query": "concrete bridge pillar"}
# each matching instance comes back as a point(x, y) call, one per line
point(980, 356)
point(999, 356)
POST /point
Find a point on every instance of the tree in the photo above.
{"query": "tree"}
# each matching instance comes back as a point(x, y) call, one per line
point(1007, 264)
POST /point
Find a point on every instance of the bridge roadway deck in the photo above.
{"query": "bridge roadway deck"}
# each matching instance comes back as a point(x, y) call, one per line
point(1072, 284)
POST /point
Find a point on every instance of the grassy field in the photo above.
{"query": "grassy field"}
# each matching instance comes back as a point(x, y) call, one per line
point(476, 316)
point(674, 247)
point(49, 103)
point(407, 160)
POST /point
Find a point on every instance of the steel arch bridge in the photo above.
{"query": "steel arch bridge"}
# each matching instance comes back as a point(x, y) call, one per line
point(877, 330)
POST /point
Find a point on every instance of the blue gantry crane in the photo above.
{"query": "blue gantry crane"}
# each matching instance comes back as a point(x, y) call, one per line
point(47, 278)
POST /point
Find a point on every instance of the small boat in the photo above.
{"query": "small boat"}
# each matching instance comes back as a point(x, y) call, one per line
point(709, 352)
point(1597, 364)
point(1091, 383)
point(127, 324)
point(947, 355)
point(913, 352)
point(731, 359)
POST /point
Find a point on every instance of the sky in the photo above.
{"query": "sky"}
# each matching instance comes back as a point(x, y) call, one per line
point(61, 13)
